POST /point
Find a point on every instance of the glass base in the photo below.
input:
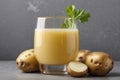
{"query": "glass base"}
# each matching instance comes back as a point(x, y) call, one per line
point(53, 69)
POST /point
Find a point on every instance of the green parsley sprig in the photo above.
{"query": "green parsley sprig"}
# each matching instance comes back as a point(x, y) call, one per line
point(73, 16)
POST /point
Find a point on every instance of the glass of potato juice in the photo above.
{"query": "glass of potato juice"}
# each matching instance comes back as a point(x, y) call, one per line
point(54, 46)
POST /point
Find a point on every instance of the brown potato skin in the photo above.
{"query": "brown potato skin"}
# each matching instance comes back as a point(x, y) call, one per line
point(99, 63)
point(27, 62)
point(82, 55)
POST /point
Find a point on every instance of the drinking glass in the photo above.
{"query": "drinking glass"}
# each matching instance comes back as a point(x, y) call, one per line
point(54, 46)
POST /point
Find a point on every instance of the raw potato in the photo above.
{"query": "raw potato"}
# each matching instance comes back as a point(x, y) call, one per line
point(99, 63)
point(77, 69)
point(82, 55)
point(27, 62)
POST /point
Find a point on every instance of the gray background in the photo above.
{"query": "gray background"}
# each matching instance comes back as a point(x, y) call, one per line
point(18, 20)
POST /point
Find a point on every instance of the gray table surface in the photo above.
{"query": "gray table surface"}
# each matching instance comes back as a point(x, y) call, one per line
point(9, 71)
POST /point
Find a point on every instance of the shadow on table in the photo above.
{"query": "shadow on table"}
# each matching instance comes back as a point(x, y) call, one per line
point(113, 74)
point(39, 73)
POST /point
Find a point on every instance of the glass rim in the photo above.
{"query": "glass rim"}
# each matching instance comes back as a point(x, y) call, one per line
point(53, 17)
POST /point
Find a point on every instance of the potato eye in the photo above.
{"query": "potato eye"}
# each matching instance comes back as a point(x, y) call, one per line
point(106, 65)
point(17, 63)
point(96, 69)
point(100, 63)
point(22, 63)
point(95, 62)
point(112, 63)
point(29, 54)
point(91, 60)
point(81, 58)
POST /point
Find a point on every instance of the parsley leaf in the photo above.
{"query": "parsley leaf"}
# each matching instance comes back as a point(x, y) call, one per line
point(73, 16)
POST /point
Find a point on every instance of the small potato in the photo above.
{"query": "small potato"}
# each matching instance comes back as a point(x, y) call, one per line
point(82, 55)
point(27, 62)
point(77, 69)
point(99, 63)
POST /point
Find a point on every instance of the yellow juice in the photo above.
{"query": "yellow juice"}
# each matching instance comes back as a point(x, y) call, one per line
point(56, 46)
